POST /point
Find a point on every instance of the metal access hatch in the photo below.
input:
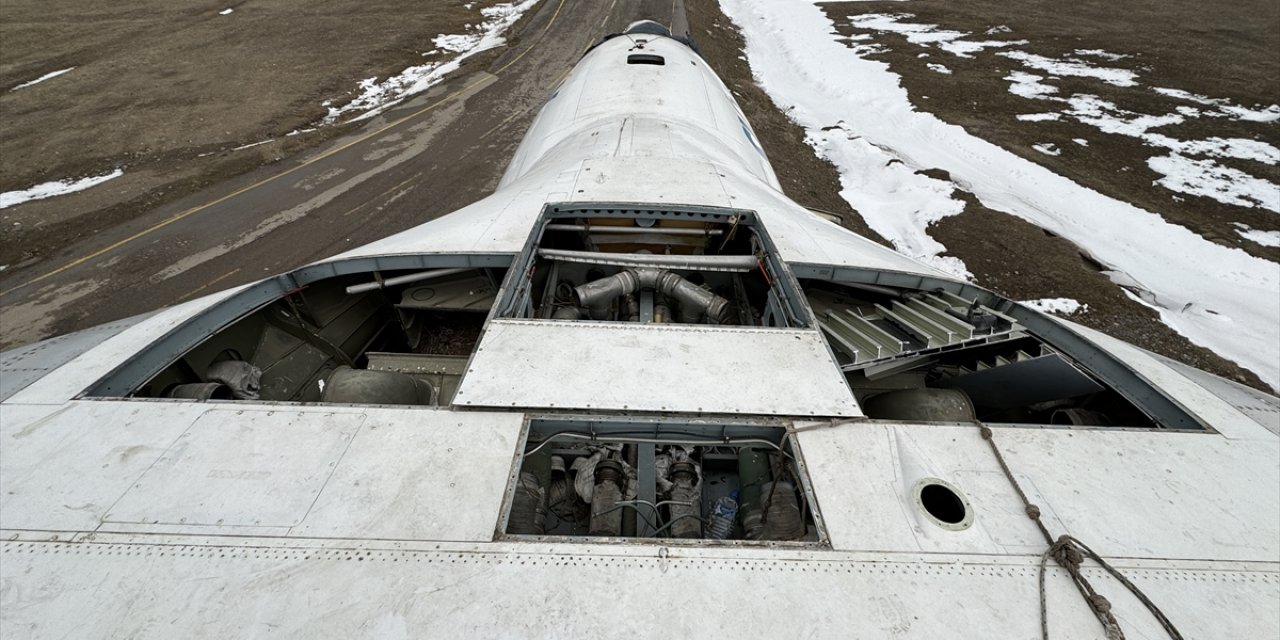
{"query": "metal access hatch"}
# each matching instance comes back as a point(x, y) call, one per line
point(650, 367)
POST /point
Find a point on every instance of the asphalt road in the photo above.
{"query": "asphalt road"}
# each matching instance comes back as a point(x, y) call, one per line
point(430, 156)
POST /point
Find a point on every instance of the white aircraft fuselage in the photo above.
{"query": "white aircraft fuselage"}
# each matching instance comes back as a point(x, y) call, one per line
point(516, 421)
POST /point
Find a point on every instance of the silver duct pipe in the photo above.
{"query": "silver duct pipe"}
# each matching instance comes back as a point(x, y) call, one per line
point(645, 260)
point(686, 503)
point(608, 228)
point(695, 301)
point(413, 277)
point(597, 295)
point(567, 313)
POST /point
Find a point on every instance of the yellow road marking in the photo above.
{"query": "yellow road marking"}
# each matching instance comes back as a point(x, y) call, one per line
point(609, 13)
point(208, 284)
point(179, 216)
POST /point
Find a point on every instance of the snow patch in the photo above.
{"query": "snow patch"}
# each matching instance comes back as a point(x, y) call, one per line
point(1109, 118)
point(1267, 114)
point(1080, 141)
point(1039, 117)
point(1264, 238)
point(1061, 306)
point(226, 12)
point(1185, 95)
point(1028, 85)
point(1100, 53)
point(56, 188)
point(1213, 180)
point(375, 97)
point(1047, 148)
point(927, 34)
point(457, 43)
point(1219, 297)
point(1225, 107)
point(939, 68)
point(253, 144)
point(895, 200)
point(1239, 148)
point(47, 76)
point(1073, 67)
point(1180, 172)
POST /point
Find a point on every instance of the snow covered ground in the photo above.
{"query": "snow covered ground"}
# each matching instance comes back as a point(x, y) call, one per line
point(56, 188)
point(375, 97)
point(1175, 159)
point(859, 118)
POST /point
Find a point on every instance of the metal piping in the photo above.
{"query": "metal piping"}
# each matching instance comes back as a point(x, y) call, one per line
point(605, 228)
point(643, 260)
point(685, 501)
point(695, 301)
point(753, 472)
point(605, 520)
point(413, 277)
point(566, 313)
point(596, 296)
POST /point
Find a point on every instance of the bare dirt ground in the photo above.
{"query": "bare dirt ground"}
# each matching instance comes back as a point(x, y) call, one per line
point(314, 197)
point(1004, 253)
point(167, 91)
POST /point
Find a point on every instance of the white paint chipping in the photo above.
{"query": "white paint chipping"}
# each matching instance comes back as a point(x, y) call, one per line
point(55, 188)
point(47, 76)
point(1219, 297)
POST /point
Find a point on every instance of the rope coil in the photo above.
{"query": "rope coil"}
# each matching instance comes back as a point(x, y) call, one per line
point(1069, 553)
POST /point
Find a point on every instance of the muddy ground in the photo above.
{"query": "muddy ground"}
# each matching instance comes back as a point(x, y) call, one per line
point(167, 91)
point(1005, 253)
